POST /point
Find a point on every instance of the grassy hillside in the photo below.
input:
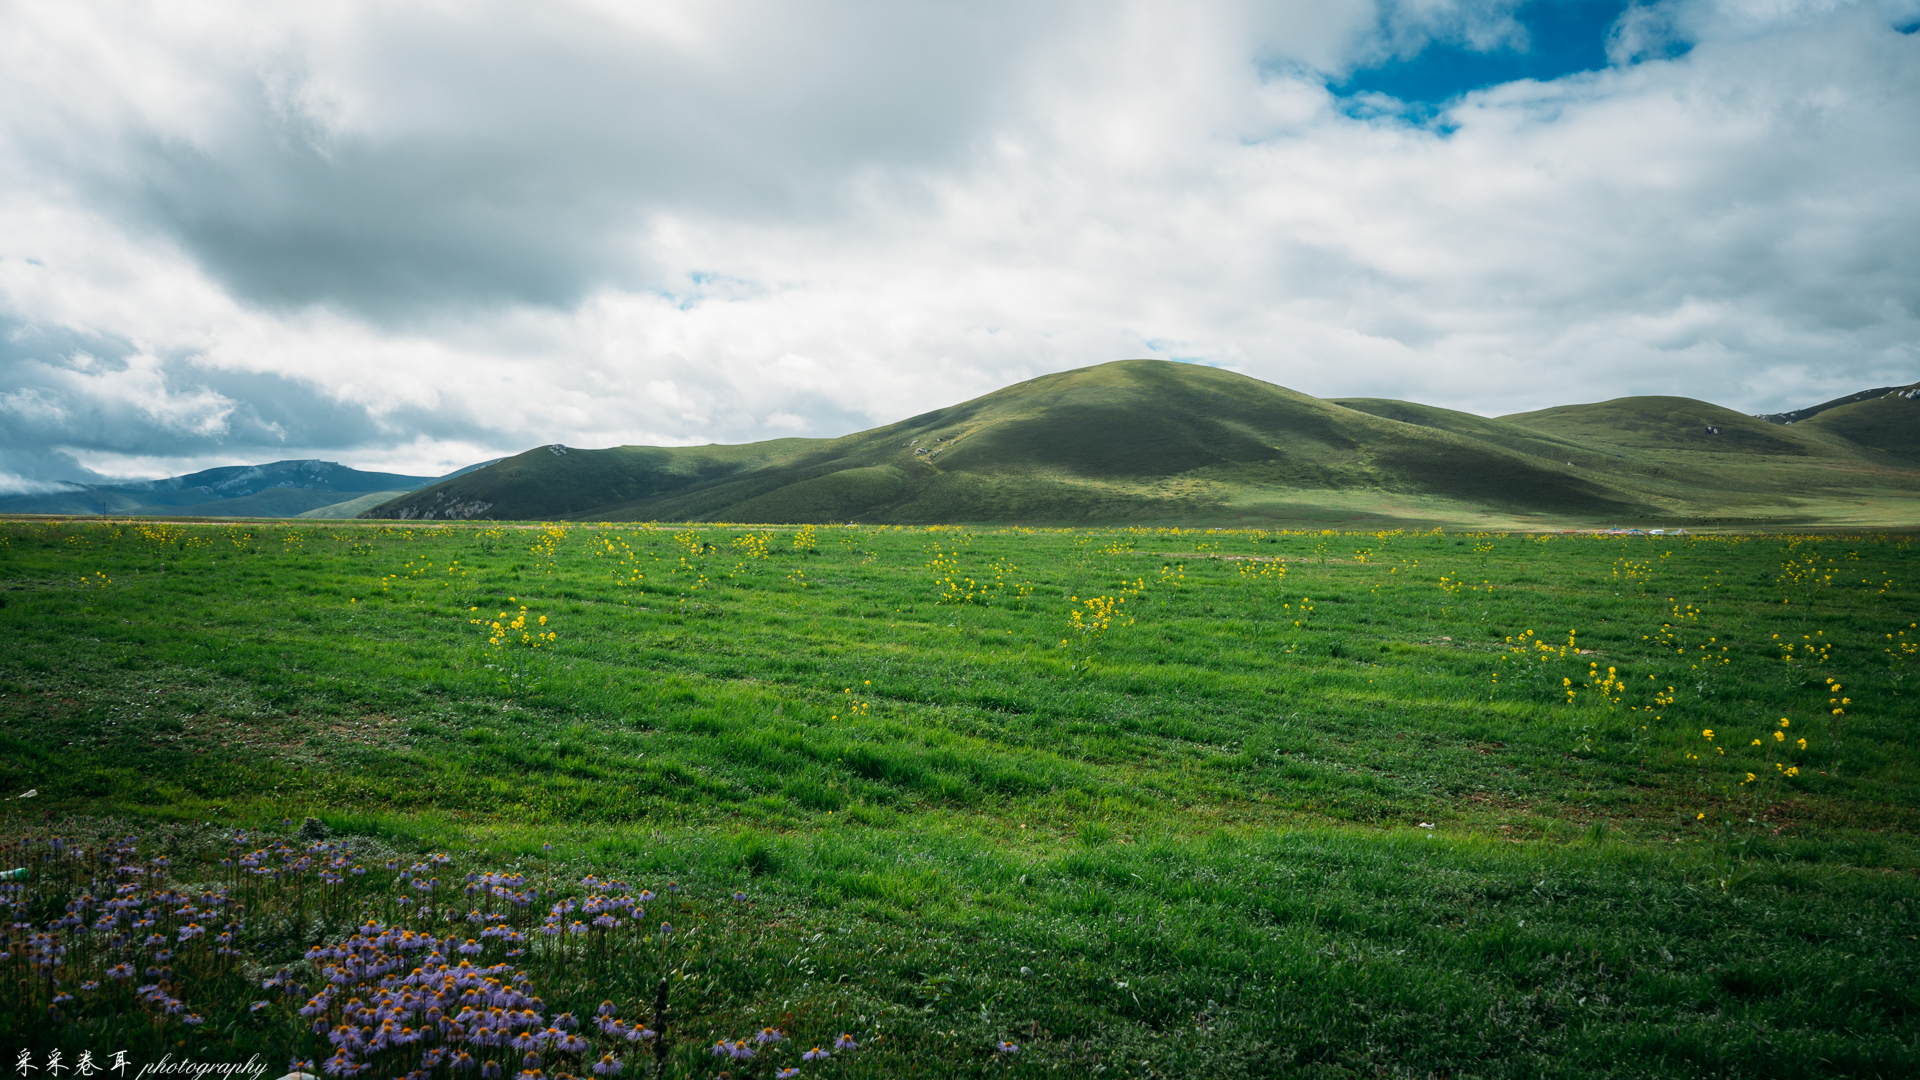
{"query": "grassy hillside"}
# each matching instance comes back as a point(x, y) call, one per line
point(1794, 416)
point(1724, 465)
point(1889, 423)
point(274, 503)
point(1669, 423)
point(558, 481)
point(1139, 440)
point(352, 507)
point(1498, 432)
point(1152, 442)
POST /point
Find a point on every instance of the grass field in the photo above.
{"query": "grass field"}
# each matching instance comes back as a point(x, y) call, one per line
point(1149, 802)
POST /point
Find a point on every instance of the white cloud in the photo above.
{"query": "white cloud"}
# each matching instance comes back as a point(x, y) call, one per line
point(15, 484)
point(33, 406)
point(397, 235)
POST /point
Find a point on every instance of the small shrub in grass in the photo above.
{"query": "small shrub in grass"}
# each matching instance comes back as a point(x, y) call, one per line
point(351, 967)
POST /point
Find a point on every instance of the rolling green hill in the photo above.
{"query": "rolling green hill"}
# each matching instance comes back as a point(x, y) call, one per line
point(352, 507)
point(1889, 423)
point(1667, 423)
point(1498, 432)
point(273, 503)
point(1150, 441)
point(1794, 416)
point(1140, 440)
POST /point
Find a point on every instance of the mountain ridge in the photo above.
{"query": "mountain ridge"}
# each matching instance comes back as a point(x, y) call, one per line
point(274, 489)
point(1157, 441)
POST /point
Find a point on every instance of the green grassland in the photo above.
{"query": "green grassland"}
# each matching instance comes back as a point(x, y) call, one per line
point(1151, 442)
point(1321, 804)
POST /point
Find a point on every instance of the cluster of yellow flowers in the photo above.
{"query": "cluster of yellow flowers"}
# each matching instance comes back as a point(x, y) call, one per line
point(1611, 688)
point(1092, 619)
point(1807, 574)
point(1900, 648)
point(696, 547)
point(1305, 610)
point(546, 547)
point(628, 570)
point(503, 634)
point(1811, 649)
point(1785, 769)
point(1631, 572)
point(163, 534)
point(955, 587)
point(853, 706)
point(1272, 570)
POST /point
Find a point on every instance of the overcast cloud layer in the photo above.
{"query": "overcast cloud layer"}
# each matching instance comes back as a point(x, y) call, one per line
point(409, 237)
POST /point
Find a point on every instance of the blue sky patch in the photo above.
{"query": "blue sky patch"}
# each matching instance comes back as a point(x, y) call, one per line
point(1565, 37)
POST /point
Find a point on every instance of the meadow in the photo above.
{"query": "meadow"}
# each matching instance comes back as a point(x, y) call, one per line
point(479, 799)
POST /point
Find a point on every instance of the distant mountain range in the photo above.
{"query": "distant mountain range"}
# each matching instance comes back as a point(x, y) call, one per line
point(1154, 442)
point(304, 488)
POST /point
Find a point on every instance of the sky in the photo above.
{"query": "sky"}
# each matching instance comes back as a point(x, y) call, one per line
point(409, 236)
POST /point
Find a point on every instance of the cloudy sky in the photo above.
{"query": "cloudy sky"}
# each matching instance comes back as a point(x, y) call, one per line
point(409, 236)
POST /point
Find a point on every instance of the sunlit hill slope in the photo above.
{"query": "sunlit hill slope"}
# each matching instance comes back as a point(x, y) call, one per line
point(1150, 441)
